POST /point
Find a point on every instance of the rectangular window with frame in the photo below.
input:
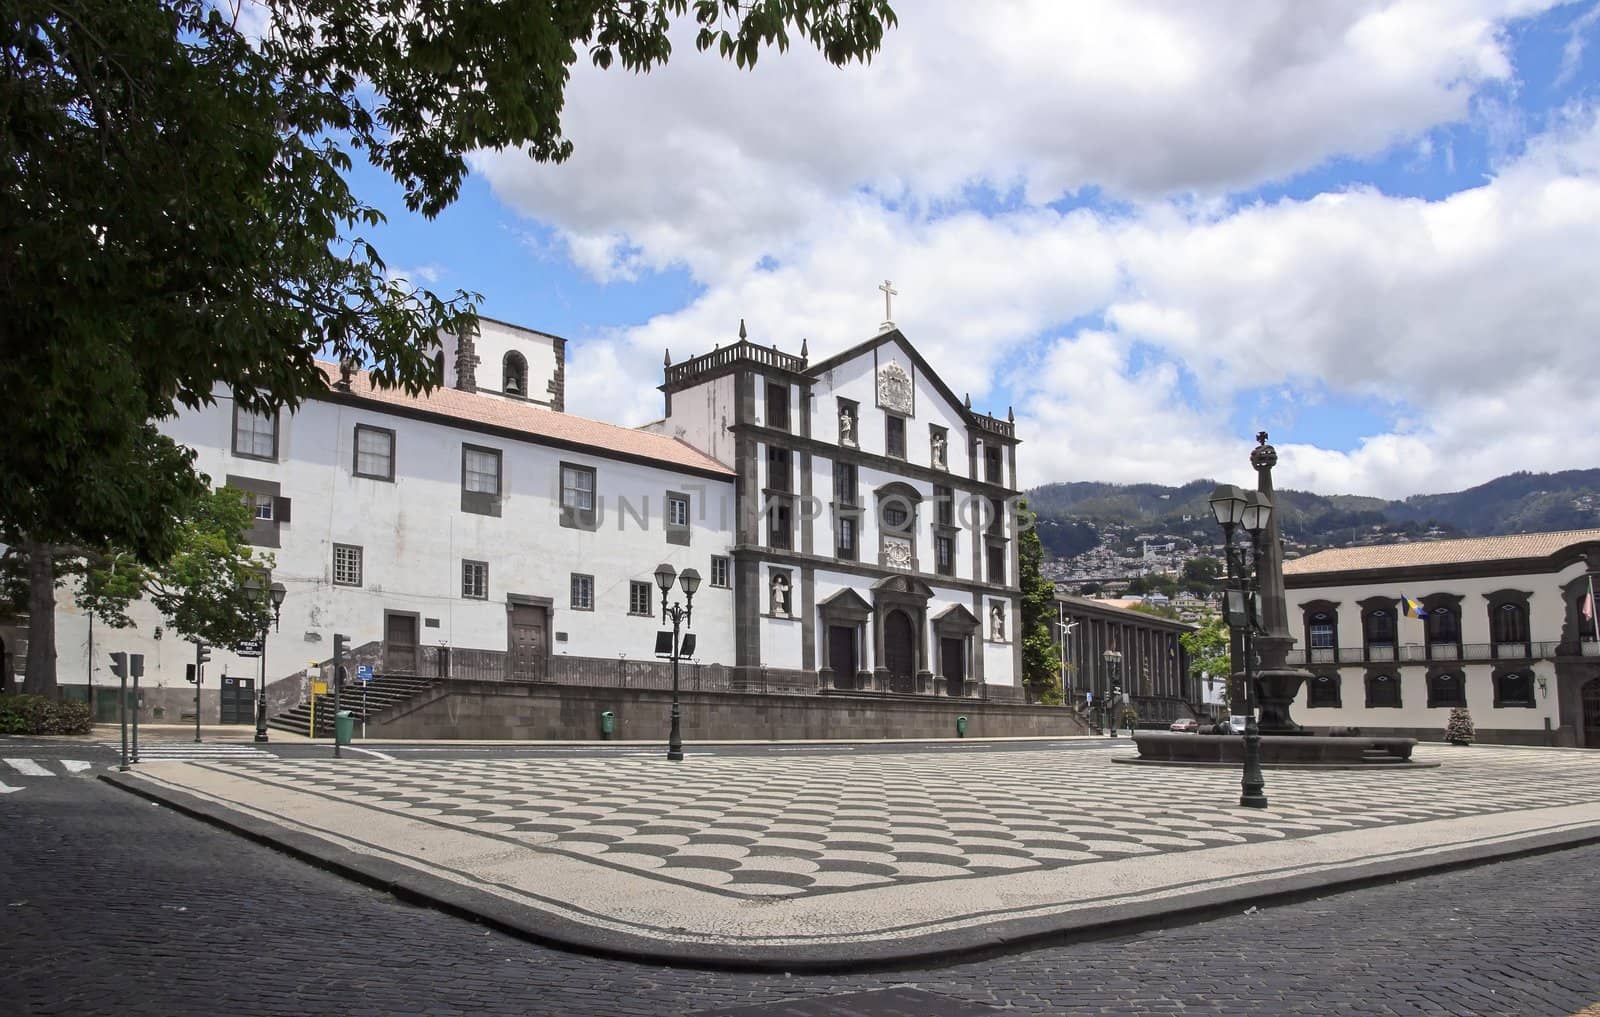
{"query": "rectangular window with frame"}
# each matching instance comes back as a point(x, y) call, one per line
point(721, 572)
point(997, 563)
point(578, 499)
point(944, 500)
point(894, 429)
point(346, 565)
point(780, 524)
point(778, 406)
point(639, 598)
point(993, 465)
point(475, 579)
point(582, 592)
point(677, 518)
point(944, 555)
point(780, 473)
point(847, 537)
point(844, 483)
point(374, 452)
point(480, 480)
point(255, 435)
point(261, 506)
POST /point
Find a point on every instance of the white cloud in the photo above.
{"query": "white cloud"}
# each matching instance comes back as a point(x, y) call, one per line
point(705, 165)
point(1473, 316)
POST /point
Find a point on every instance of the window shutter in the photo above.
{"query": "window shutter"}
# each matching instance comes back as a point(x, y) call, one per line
point(280, 509)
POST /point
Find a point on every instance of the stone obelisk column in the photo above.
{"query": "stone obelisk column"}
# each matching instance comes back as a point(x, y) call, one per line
point(1277, 684)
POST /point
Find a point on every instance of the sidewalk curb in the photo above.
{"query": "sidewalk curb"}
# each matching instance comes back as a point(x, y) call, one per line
point(964, 945)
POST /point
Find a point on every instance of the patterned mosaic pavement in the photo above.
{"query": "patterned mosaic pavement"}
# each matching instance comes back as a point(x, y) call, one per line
point(769, 827)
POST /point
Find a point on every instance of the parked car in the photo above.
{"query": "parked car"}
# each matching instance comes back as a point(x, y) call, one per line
point(1187, 725)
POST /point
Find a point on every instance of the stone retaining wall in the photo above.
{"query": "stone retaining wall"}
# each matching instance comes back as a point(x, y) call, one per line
point(543, 712)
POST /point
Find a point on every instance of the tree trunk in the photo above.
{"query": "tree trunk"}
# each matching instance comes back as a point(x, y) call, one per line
point(40, 679)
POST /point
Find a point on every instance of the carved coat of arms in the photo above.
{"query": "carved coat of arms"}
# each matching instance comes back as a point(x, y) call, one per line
point(894, 388)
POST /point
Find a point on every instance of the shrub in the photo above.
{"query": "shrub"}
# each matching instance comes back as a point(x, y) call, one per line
point(1458, 729)
point(38, 715)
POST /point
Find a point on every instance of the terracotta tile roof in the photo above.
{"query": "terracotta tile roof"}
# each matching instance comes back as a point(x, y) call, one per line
point(1438, 552)
point(534, 421)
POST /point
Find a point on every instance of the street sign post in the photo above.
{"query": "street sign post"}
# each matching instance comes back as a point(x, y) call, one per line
point(248, 648)
point(363, 673)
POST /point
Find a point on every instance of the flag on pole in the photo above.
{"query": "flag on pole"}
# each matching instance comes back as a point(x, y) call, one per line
point(1411, 608)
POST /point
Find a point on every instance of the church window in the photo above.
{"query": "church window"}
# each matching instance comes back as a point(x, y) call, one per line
point(895, 435)
point(582, 592)
point(944, 555)
point(780, 524)
point(778, 406)
point(515, 374)
point(475, 579)
point(346, 565)
point(944, 505)
point(374, 452)
point(997, 563)
point(578, 504)
point(639, 598)
point(847, 537)
point(721, 571)
point(480, 480)
point(780, 474)
point(895, 515)
point(844, 483)
point(255, 435)
point(993, 466)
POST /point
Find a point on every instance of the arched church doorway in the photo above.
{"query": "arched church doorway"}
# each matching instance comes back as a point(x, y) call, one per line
point(1591, 714)
point(900, 651)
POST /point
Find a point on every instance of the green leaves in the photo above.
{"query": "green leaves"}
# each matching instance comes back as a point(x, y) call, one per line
point(1041, 658)
point(176, 222)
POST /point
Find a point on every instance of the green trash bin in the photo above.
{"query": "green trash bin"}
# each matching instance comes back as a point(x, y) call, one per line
point(344, 726)
point(608, 723)
point(961, 727)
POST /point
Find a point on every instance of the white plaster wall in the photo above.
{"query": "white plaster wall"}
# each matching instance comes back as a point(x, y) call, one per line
point(782, 639)
point(414, 537)
point(1546, 614)
point(701, 416)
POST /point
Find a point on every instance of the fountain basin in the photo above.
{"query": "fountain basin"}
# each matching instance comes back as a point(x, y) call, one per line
point(1163, 748)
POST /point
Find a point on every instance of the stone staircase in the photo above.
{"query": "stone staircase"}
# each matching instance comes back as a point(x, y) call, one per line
point(383, 691)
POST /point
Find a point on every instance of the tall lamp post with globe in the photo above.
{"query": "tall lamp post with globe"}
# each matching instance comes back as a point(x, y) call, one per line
point(679, 615)
point(262, 598)
point(1113, 659)
point(1250, 510)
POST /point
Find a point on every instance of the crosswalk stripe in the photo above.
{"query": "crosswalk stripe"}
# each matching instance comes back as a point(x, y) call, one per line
point(76, 765)
point(28, 768)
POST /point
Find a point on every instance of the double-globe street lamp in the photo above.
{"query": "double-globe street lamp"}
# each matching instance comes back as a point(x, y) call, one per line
point(262, 597)
point(1252, 510)
point(679, 615)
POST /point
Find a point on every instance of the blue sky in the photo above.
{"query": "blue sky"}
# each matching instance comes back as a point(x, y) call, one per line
point(1366, 226)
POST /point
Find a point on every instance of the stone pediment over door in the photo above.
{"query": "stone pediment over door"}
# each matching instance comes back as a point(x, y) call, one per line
point(846, 604)
point(956, 619)
point(905, 586)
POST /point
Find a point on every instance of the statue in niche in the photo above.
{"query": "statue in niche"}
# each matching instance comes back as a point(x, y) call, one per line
point(847, 426)
point(780, 595)
point(997, 622)
point(938, 451)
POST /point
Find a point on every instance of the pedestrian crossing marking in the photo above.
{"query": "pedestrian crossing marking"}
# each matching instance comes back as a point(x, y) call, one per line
point(191, 752)
point(76, 765)
point(28, 768)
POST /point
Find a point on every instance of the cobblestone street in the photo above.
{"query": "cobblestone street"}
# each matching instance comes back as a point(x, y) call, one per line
point(113, 904)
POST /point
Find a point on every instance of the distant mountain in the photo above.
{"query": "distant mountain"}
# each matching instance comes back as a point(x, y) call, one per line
point(1072, 514)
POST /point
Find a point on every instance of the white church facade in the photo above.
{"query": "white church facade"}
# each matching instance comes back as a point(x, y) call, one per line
point(848, 519)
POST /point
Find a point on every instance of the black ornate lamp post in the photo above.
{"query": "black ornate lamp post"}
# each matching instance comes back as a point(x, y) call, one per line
point(1113, 659)
point(1251, 510)
point(262, 597)
point(679, 615)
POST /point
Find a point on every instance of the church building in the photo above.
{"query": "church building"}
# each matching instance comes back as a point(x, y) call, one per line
point(850, 519)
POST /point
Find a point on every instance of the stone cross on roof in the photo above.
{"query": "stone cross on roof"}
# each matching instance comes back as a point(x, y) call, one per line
point(889, 293)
